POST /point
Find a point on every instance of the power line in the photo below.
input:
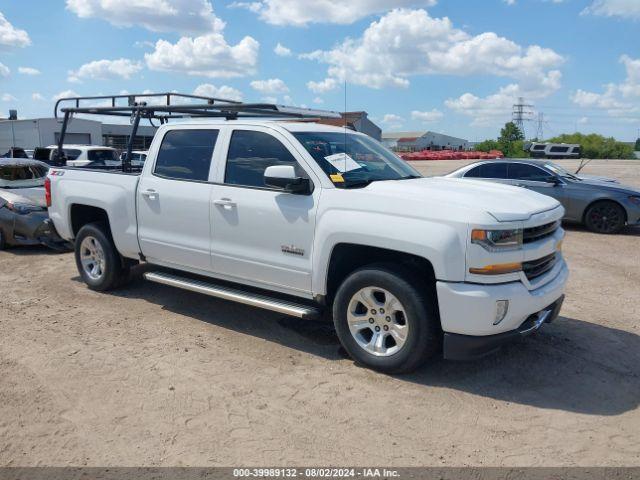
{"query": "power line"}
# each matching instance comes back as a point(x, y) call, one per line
point(521, 112)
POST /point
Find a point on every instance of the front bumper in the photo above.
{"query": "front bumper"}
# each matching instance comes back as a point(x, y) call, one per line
point(470, 308)
point(467, 347)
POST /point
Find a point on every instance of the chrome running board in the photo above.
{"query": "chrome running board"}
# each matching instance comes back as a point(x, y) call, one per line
point(239, 296)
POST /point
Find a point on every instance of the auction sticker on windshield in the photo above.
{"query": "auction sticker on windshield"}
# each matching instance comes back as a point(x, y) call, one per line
point(342, 162)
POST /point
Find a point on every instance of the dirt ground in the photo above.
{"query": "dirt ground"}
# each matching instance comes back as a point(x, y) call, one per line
point(154, 376)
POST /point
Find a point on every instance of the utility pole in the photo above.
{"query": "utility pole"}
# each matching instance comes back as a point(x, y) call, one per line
point(521, 112)
point(540, 130)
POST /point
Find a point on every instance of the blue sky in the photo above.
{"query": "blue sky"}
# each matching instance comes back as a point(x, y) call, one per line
point(449, 65)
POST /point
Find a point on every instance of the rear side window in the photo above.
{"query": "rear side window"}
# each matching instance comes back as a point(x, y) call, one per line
point(22, 172)
point(522, 171)
point(488, 170)
point(186, 154)
point(250, 153)
point(71, 153)
point(102, 155)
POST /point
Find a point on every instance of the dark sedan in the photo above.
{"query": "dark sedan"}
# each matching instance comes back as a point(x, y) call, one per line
point(602, 205)
point(24, 219)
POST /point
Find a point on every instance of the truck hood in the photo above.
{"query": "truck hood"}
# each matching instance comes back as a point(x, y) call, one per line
point(503, 202)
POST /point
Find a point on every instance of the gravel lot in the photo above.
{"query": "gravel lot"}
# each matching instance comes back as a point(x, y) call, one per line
point(150, 375)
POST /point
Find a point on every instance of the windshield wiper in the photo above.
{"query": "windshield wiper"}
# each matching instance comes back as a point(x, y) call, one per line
point(358, 183)
point(409, 177)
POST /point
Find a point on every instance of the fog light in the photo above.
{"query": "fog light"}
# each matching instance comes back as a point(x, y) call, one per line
point(502, 307)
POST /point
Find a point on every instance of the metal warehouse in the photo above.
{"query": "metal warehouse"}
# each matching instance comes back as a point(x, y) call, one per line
point(418, 141)
point(42, 132)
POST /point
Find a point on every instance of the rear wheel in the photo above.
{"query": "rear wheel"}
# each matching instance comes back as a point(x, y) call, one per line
point(99, 263)
point(605, 217)
point(386, 320)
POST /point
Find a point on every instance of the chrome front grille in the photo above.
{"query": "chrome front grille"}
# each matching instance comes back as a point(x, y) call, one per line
point(535, 268)
point(533, 234)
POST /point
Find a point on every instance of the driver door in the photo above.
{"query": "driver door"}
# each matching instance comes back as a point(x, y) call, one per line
point(261, 234)
point(535, 178)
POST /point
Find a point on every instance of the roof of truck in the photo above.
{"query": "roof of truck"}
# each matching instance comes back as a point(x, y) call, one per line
point(290, 125)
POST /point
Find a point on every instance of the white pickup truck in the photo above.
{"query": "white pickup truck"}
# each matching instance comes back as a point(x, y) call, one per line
point(306, 219)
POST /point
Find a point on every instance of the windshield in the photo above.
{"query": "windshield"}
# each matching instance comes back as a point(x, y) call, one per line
point(558, 170)
point(21, 176)
point(102, 155)
point(351, 160)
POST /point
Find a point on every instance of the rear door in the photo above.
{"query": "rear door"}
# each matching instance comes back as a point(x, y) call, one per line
point(260, 234)
point(493, 171)
point(174, 200)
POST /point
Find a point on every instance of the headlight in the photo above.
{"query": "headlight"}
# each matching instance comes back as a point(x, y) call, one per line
point(635, 200)
point(23, 208)
point(498, 240)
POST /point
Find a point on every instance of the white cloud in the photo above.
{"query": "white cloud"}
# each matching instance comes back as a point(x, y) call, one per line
point(583, 120)
point(106, 70)
point(614, 8)
point(303, 12)
point(392, 118)
point(11, 36)
point(618, 99)
point(318, 101)
point(207, 56)
point(4, 70)
point(405, 43)
point(428, 116)
point(65, 94)
point(37, 97)
point(271, 86)
point(324, 86)
point(282, 51)
point(485, 111)
point(28, 71)
point(184, 16)
point(224, 92)
point(7, 97)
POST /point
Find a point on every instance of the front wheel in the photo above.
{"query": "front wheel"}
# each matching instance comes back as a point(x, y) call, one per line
point(605, 217)
point(97, 259)
point(386, 320)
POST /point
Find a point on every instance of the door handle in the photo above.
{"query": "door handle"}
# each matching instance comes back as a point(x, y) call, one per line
point(225, 203)
point(150, 194)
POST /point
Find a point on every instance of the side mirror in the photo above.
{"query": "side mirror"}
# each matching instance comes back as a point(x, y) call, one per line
point(285, 178)
point(553, 179)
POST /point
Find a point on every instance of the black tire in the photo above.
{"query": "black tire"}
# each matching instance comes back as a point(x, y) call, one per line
point(424, 337)
point(114, 272)
point(605, 217)
point(3, 242)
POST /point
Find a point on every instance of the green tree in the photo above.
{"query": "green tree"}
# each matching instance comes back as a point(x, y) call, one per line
point(487, 146)
point(510, 133)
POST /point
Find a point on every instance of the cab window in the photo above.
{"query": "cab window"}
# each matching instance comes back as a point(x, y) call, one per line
point(186, 154)
point(250, 153)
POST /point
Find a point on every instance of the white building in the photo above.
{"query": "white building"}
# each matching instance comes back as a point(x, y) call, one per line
point(42, 132)
point(418, 141)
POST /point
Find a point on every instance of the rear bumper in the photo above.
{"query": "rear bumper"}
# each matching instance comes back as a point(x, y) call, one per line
point(467, 347)
point(31, 229)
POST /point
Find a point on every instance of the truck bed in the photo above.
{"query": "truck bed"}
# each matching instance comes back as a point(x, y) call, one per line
point(107, 189)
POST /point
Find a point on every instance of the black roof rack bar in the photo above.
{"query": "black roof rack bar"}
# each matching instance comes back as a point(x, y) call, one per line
point(214, 107)
point(132, 99)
